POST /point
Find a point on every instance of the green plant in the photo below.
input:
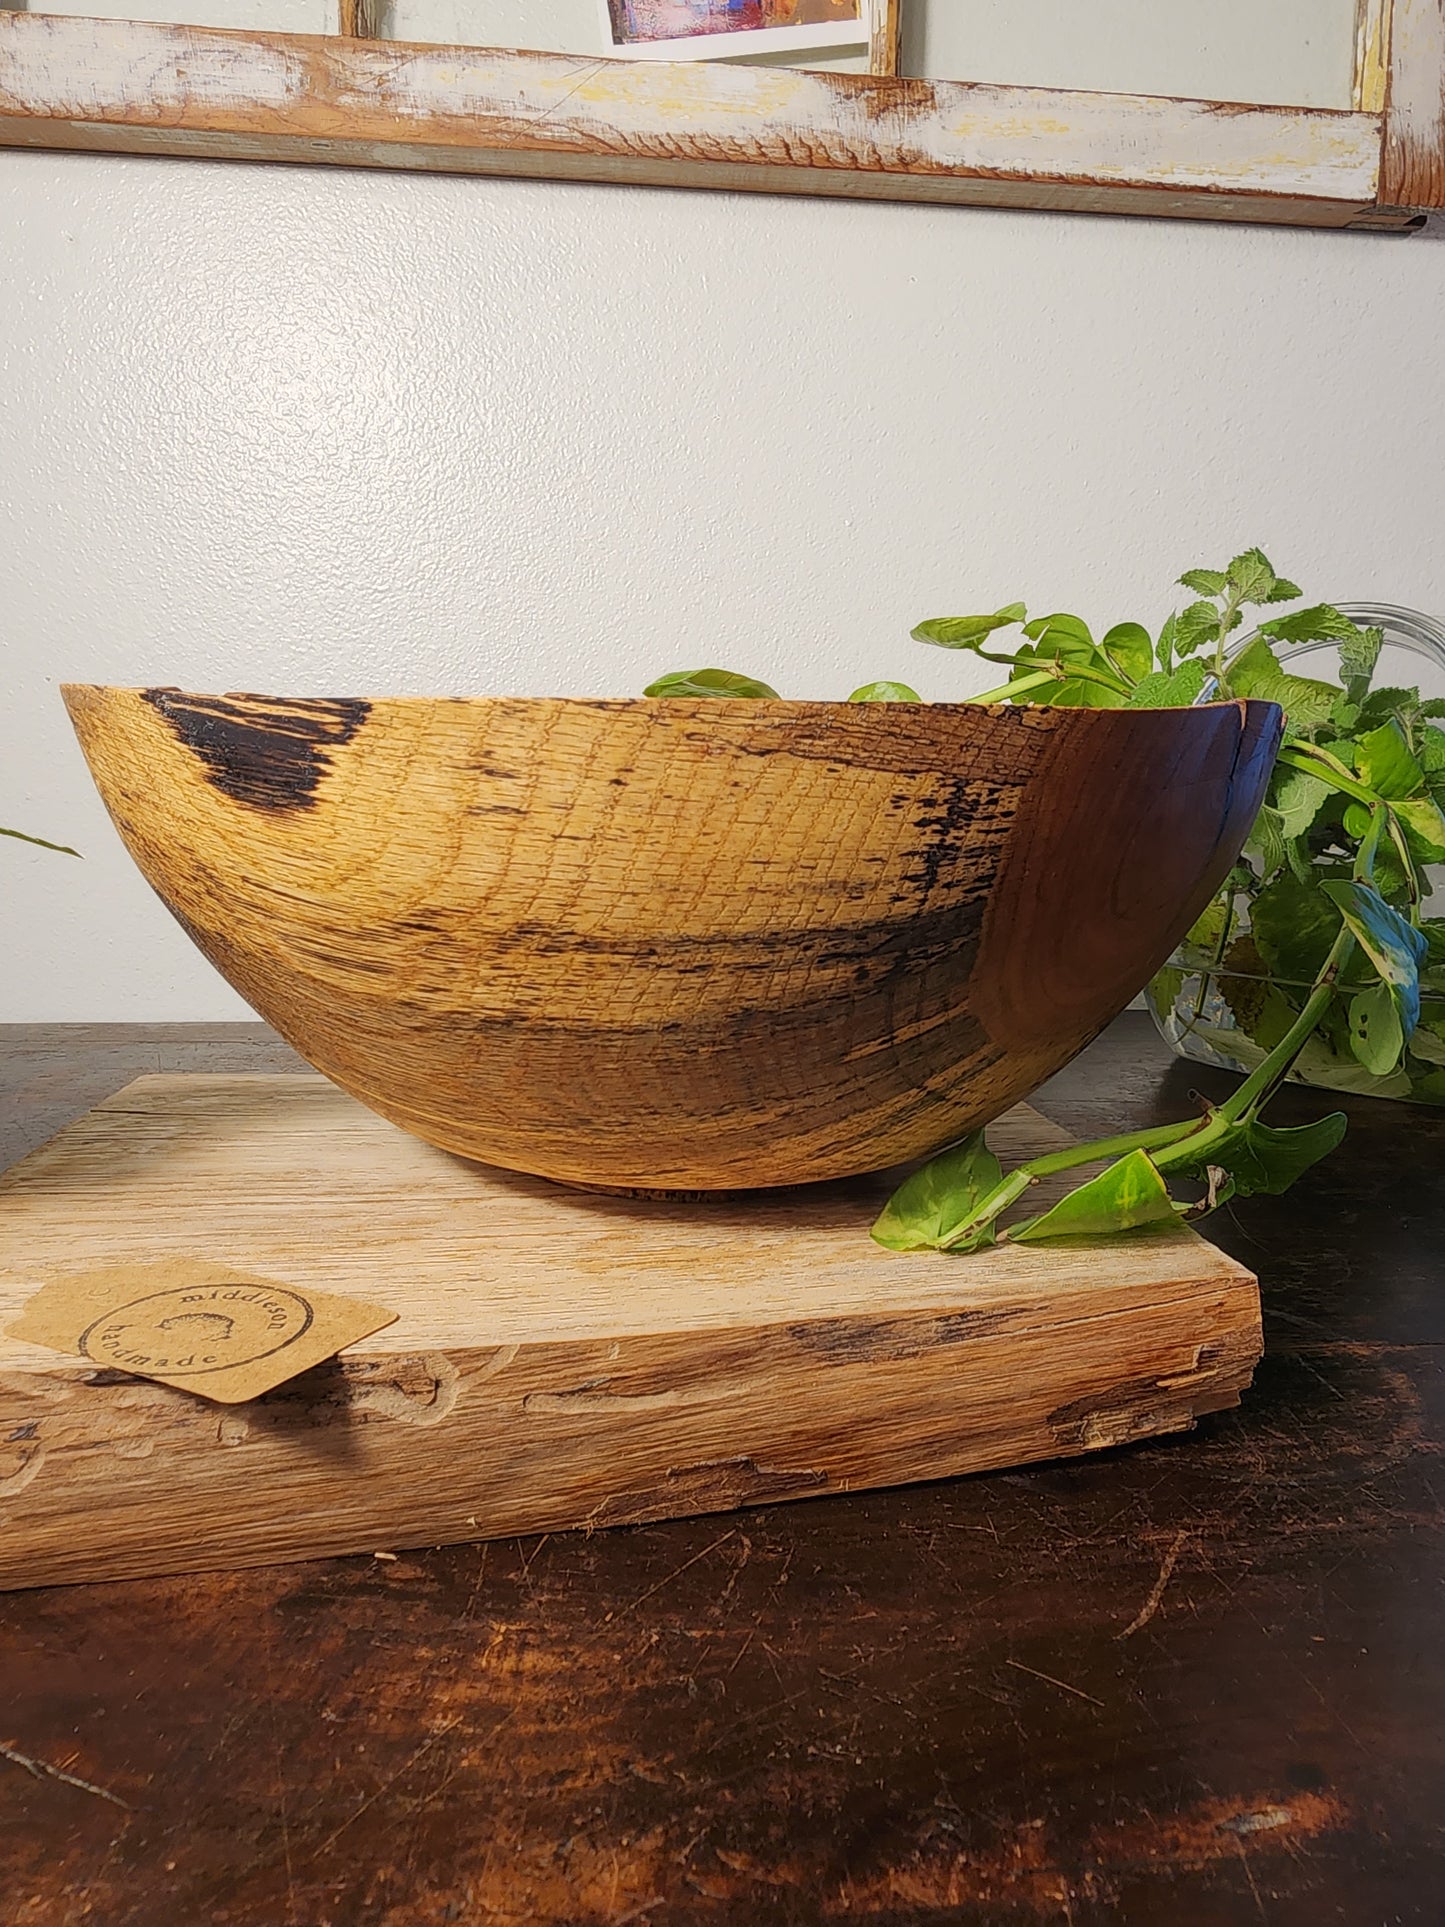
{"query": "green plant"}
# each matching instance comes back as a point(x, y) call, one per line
point(1328, 895)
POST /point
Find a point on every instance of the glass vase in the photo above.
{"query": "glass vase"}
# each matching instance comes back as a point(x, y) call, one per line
point(1215, 988)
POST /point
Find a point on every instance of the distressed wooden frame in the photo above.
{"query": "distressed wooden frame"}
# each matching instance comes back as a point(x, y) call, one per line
point(129, 87)
point(759, 40)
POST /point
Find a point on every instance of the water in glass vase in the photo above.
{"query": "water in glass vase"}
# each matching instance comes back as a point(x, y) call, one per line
point(1232, 989)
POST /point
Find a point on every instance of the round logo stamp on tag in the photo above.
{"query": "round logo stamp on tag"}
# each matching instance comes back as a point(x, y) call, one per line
point(195, 1329)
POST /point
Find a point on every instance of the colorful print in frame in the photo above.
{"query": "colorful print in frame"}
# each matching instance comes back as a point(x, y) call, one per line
point(731, 29)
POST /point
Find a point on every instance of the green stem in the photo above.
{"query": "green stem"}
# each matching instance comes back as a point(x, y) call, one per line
point(1363, 870)
point(1019, 687)
point(1186, 1145)
point(1407, 864)
point(1214, 970)
point(1226, 629)
point(1301, 755)
point(1304, 756)
point(1058, 672)
point(1085, 672)
point(990, 1208)
point(1012, 1188)
point(1110, 1147)
point(1265, 1078)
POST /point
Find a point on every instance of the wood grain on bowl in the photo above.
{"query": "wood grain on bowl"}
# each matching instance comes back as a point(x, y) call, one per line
point(687, 944)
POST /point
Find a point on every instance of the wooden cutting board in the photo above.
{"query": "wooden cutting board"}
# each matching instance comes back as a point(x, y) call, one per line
point(562, 1358)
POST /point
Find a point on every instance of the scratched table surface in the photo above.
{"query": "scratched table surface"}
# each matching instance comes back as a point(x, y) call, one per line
point(1188, 1682)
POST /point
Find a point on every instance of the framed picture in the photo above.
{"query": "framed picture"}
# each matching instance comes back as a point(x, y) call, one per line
point(1370, 156)
point(730, 29)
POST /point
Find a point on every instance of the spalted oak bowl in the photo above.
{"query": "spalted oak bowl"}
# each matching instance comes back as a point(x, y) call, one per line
point(680, 944)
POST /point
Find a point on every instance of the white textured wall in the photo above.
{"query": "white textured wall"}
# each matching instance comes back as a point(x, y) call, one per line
point(304, 430)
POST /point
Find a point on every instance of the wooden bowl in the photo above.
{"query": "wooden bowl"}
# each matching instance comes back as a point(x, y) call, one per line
point(680, 944)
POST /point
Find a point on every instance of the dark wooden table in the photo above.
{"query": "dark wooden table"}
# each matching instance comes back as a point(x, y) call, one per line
point(1184, 1683)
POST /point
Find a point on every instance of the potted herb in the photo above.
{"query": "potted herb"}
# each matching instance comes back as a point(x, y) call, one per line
point(1327, 907)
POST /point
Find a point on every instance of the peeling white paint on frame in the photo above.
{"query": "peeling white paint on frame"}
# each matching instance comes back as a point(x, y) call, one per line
point(142, 86)
point(93, 66)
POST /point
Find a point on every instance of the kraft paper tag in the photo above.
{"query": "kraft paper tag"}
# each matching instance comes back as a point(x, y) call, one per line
point(205, 1328)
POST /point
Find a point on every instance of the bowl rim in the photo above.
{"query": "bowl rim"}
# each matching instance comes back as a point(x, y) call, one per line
point(729, 705)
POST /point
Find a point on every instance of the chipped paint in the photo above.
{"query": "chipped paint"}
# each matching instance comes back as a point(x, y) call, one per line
point(1415, 159)
point(495, 111)
point(1372, 54)
point(76, 69)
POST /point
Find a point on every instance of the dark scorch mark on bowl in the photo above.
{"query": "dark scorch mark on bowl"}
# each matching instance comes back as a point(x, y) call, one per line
point(262, 750)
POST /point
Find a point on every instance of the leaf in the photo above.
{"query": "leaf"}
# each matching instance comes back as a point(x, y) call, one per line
point(939, 1197)
point(1385, 765)
point(1164, 988)
point(1204, 581)
point(1255, 672)
point(1244, 986)
point(1357, 819)
point(1128, 1194)
point(1259, 1157)
point(1424, 825)
point(1318, 1064)
point(969, 632)
point(1430, 751)
point(1428, 1043)
point(40, 843)
point(1168, 636)
point(1074, 692)
point(1271, 1018)
point(709, 682)
point(1294, 926)
point(1266, 841)
point(1375, 1034)
point(885, 692)
point(1284, 591)
point(1396, 948)
point(1128, 647)
point(1432, 929)
point(1269, 1159)
point(1177, 689)
point(1253, 666)
point(1210, 927)
point(1300, 858)
point(1385, 705)
point(1358, 656)
point(1065, 646)
point(1427, 1047)
point(1390, 879)
point(1251, 577)
point(1061, 636)
point(1298, 797)
point(1195, 626)
point(1318, 624)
